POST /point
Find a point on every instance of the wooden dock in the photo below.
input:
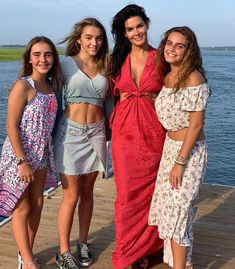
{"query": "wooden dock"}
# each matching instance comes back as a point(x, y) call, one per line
point(214, 229)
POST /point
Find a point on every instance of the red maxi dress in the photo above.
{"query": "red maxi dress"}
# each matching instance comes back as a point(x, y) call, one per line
point(137, 141)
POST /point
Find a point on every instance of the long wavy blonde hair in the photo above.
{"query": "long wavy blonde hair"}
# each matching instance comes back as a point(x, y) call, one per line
point(73, 47)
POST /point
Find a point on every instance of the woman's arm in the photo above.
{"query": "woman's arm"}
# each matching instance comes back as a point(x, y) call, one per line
point(194, 132)
point(16, 103)
point(196, 121)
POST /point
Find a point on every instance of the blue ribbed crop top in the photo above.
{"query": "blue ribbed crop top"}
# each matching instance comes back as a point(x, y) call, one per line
point(79, 88)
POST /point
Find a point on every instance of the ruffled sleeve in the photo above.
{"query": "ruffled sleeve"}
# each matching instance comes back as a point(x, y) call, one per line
point(195, 98)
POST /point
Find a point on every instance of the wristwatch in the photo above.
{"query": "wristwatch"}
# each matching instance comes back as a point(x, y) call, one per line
point(21, 160)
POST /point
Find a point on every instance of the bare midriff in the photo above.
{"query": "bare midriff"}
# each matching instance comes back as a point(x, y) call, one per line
point(84, 113)
point(180, 135)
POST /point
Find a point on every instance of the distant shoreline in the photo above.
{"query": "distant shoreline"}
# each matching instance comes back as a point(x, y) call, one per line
point(14, 52)
point(222, 48)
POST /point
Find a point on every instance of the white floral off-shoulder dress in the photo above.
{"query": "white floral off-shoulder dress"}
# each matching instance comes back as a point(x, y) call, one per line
point(172, 210)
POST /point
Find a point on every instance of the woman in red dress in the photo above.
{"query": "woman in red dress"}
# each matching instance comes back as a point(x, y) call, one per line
point(137, 136)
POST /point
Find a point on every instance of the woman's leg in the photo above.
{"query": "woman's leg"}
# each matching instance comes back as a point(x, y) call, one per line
point(20, 226)
point(70, 185)
point(179, 255)
point(26, 217)
point(36, 203)
point(85, 208)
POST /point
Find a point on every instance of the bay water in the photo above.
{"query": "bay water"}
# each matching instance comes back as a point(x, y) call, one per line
point(220, 117)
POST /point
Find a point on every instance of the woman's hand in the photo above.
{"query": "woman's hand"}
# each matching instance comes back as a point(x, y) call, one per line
point(176, 176)
point(26, 172)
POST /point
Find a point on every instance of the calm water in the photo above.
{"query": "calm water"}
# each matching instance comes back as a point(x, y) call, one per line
point(220, 121)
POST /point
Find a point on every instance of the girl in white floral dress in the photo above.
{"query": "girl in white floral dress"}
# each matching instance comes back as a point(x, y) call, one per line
point(180, 107)
point(27, 163)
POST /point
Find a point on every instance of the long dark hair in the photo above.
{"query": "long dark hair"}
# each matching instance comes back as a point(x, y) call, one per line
point(73, 47)
point(192, 59)
point(54, 74)
point(122, 45)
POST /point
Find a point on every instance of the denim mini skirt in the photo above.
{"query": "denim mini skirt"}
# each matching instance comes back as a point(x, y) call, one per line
point(80, 148)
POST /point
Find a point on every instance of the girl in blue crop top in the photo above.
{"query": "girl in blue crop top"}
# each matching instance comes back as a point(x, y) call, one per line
point(80, 142)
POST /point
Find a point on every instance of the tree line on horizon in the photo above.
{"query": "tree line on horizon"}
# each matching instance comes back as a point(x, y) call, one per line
point(228, 48)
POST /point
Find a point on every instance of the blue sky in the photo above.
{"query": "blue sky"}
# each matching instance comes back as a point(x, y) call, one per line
point(212, 20)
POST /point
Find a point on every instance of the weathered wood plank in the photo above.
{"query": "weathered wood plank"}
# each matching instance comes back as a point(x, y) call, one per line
point(214, 228)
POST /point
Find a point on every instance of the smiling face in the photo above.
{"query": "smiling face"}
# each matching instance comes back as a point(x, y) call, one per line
point(41, 58)
point(91, 40)
point(136, 31)
point(175, 48)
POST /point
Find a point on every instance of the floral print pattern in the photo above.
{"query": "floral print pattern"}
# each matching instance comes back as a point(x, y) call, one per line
point(36, 126)
point(173, 107)
point(173, 210)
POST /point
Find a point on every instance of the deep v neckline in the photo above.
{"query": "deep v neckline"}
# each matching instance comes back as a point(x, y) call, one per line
point(137, 86)
point(83, 73)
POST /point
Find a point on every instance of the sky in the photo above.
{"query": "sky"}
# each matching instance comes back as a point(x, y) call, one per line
point(213, 21)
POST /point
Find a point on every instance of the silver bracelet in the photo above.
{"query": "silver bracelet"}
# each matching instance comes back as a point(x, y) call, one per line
point(180, 163)
point(180, 160)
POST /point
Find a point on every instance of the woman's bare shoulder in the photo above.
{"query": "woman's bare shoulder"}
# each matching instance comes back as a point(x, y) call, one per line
point(20, 87)
point(195, 79)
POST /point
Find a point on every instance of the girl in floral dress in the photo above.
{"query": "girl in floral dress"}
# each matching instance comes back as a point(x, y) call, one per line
point(180, 107)
point(27, 164)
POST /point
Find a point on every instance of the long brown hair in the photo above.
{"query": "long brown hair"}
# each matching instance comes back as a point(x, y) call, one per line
point(54, 74)
point(192, 59)
point(73, 47)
